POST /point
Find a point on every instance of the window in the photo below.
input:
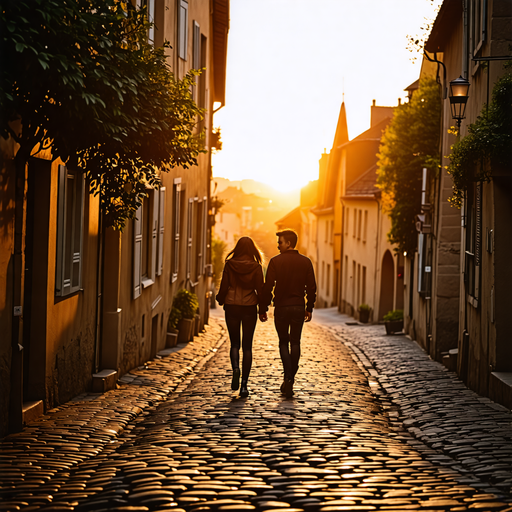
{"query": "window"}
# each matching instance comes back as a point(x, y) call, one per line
point(176, 224)
point(359, 222)
point(182, 29)
point(328, 283)
point(326, 231)
point(199, 242)
point(70, 219)
point(357, 304)
point(424, 264)
point(365, 226)
point(347, 221)
point(478, 24)
point(363, 288)
point(196, 56)
point(355, 224)
point(161, 229)
point(148, 241)
point(151, 19)
point(323, 273)
point(473, 239)
point(332, 232)
point(190, 231)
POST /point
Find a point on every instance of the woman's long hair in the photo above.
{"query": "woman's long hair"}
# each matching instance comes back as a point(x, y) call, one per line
point(246, 246)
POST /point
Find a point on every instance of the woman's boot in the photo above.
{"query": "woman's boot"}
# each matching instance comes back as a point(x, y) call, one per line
point(244, 392)
point(235, 381)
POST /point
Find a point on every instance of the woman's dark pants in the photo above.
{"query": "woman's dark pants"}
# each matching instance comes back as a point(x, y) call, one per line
point(244, 317)
point(289, 321)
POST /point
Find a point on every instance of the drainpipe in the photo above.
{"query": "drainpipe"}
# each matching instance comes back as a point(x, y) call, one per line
point(465, 33)
point(16, 393)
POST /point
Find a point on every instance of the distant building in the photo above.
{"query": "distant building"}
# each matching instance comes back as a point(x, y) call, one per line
point(372, 271)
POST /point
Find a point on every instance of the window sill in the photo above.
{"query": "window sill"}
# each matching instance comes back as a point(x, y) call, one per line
point(146, 283)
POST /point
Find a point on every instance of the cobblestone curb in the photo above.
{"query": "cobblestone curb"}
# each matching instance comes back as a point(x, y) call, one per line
point(80, 429)
point(458, 427)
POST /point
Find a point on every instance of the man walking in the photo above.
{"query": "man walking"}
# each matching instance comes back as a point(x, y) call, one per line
point(293, 277)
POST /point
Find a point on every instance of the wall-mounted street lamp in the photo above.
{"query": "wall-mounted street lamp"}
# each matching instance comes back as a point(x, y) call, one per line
point(458, 98)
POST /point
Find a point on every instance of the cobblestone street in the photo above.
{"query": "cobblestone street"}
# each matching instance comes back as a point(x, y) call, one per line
point(175, 437)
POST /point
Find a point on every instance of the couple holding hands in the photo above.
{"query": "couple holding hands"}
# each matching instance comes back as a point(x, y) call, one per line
point(245, 294)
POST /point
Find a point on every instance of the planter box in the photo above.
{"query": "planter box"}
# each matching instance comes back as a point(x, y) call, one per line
point(394, 326)
point(186, 330)
point(197, 325)
point(171, 339)
point(364, 315)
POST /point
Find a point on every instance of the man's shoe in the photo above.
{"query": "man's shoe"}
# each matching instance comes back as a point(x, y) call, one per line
point(288, 388)
point(235, 382)
point(244, 392)
point(283, 385)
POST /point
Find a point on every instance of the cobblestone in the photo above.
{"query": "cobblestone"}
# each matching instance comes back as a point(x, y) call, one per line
point(177, 438)
point(474, 433)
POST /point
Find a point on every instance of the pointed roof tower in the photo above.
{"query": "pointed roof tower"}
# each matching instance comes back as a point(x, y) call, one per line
point(341, 135)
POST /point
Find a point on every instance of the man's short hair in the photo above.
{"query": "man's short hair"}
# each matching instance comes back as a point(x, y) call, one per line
point(290, 236)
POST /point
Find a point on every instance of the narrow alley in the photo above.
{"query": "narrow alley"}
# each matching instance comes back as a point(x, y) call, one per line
point(175, 437)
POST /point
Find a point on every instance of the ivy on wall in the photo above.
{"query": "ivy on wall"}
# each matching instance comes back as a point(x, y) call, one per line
point(489, 140)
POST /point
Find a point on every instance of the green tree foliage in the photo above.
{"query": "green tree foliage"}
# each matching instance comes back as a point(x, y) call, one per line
point(410, 142)
point(79, 78)
point(489, 140)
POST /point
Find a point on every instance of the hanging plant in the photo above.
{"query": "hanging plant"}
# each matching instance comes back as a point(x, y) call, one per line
point(489, 141)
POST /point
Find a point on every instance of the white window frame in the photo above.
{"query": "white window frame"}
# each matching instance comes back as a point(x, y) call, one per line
point(182, 29)
point(161, 230)
point(70, 221)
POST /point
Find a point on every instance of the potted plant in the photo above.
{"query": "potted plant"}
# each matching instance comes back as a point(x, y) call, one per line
point(394, 321)
point(364, 313)
point(186, 302)
point(172, 328)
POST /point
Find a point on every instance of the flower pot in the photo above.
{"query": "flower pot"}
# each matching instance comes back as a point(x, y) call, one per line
point(171, 340)
point(364, 315)
point(394, 326)
point(197, 325)
point(185, 328)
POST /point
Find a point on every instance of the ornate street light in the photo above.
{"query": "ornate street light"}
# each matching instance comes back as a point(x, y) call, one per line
point(458, 98)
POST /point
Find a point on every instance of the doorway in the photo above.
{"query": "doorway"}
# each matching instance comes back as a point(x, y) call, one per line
point(387, 284)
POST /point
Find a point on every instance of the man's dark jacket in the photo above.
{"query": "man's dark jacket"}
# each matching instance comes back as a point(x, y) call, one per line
point(293, 276)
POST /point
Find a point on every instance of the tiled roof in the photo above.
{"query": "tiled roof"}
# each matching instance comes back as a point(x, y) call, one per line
point(365, 185)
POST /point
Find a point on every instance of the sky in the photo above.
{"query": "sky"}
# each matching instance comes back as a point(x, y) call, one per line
point(291, 63)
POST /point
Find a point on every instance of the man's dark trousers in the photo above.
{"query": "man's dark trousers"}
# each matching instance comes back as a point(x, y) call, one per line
point(289, 321)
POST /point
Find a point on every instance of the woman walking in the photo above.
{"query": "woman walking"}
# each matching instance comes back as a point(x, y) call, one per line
point(240, 293)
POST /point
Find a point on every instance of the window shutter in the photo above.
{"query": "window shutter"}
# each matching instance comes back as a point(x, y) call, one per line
point(154, 234)
point(205, 234)
point(61, 221)
point(137, 253)
point(161, 221)
point(77, 181)
point(182, 29)
point(176, 228)
point(196, 47)
point(478, 237)
point(190, 220)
